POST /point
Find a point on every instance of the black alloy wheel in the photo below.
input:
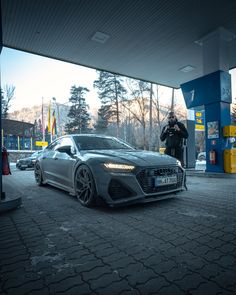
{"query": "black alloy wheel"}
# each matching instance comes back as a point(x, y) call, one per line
point(85, 186)
point(38, 175)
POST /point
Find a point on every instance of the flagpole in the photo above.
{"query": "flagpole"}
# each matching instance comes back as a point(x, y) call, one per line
point(50, 119)
point(56, 116)
point(43, 122)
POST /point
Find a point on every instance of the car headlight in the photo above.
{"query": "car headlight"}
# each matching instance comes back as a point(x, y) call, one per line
point(117, 167)
point(178, 163)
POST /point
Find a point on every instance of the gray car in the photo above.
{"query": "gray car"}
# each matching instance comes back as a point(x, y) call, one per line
point(96, 167)
point(28, 162)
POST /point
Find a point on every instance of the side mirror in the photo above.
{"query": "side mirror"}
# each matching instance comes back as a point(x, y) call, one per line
point(67, 149)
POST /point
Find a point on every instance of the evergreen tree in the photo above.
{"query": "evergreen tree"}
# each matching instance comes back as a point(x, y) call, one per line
point(102, 121)
point(78, 111)
point(38, 130)
point(110, 92)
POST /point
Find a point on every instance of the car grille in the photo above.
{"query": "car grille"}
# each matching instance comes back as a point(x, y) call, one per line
point(118, 191)
point(146, 179)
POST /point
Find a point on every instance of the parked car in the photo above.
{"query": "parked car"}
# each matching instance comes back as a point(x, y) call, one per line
point(201, 156)
point(28, 162)
point(96, 167)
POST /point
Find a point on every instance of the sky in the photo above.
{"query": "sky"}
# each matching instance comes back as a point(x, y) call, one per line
point(36, 77)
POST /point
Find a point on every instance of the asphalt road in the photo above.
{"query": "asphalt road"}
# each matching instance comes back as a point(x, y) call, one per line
point(183, 245)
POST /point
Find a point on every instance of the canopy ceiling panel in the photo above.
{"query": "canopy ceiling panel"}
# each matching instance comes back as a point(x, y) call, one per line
point(145, 39)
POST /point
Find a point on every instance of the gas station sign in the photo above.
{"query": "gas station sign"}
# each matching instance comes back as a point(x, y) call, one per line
point(41, 143)
point(199, 120)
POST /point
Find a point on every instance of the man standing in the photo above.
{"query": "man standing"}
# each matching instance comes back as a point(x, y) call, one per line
point(174, 133)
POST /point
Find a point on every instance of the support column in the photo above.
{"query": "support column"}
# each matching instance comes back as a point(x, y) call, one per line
point(213, 91)
point(6, 203)
point(217, 116)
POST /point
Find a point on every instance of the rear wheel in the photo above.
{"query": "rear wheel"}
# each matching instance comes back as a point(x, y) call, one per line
point(85, 186)
point(38, 175)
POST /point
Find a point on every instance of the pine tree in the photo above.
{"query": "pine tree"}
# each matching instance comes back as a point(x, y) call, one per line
point(78, 111)
point(38, 129)
point(110, 92)
point(102, 121)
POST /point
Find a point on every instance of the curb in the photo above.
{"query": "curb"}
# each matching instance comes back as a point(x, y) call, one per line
point(202, 173)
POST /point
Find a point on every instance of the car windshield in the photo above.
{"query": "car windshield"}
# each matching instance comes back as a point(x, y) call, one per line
point(36, 154)
point(100, 143)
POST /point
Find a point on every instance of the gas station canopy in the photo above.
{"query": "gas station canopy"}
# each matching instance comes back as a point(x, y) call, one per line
point(157, 41)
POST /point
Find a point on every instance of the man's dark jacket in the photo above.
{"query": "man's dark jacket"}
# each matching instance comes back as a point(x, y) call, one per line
point(174, 138)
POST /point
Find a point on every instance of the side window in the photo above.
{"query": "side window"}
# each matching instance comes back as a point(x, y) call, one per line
point(54, 145)
point(66, 141)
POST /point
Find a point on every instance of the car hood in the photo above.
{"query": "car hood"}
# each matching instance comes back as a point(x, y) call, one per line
point(136, 157)
point(24, 160)
point(28, 159)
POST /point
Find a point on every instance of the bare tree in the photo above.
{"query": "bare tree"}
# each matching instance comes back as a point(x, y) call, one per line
point(160, 113)
point(233, 113)
point(138, 105)
point(7, 94)
point(110, 92)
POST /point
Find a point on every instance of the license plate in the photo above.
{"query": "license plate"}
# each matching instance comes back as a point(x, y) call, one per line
point(165, 180)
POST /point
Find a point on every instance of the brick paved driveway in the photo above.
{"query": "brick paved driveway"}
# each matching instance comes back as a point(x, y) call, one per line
point(185, 245)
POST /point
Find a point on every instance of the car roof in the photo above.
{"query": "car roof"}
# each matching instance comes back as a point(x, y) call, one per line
point(89, 135)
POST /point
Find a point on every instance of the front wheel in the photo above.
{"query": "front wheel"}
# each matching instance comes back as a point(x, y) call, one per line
point(85, 186)
point(38, 175)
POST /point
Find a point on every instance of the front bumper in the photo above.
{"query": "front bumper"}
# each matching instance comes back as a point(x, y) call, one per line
point(125, 188)
point(20, 165)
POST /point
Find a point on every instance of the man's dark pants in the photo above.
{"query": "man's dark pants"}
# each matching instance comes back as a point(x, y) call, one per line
point(176, 152)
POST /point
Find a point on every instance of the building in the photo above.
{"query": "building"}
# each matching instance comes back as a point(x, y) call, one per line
point(17, 135)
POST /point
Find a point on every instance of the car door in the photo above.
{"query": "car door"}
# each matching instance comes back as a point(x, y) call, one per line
point(64, 164)
point(47, 161)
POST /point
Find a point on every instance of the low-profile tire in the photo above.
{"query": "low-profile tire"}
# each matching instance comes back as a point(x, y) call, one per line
point(85, 186)
point(38, 175)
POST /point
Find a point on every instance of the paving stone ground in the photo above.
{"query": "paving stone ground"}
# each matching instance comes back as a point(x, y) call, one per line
point(183, 245)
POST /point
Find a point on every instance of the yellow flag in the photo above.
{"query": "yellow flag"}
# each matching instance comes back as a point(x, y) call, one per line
point(54, 123)
point(49, 117)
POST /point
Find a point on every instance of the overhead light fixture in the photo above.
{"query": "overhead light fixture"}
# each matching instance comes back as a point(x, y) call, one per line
point(187, 69)
point(100, 37)
point(220, 33)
